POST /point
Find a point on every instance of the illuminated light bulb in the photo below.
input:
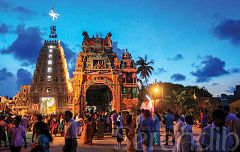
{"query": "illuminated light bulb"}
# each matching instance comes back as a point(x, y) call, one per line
point(156, 90)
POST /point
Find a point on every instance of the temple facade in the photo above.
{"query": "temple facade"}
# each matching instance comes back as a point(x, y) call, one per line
point(100, 81)
point(99, 70)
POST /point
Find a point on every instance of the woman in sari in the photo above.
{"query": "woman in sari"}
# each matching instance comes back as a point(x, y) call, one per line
point(86, 136)
point(156, 134)
point(61, 126)
point(130, 133)
point(100, 128)
point(54, 126)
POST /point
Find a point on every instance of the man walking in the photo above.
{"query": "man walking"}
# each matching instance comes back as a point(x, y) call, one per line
point(17, 134)
point(216, 137)
point(114, 123)
point(169, 126)
point(70, 134)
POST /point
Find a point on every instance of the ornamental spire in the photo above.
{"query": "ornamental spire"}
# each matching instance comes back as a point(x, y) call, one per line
point(53, 29)
point(53, 14)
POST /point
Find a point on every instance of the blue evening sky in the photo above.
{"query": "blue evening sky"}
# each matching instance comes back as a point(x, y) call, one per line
point(193, 42)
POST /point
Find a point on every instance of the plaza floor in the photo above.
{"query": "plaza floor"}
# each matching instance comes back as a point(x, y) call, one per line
point(106, 145)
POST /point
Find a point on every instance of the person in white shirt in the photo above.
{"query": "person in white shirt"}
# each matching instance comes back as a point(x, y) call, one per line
point(187, 140)
point(177, 131)
point(216, 137)
point(70, 134)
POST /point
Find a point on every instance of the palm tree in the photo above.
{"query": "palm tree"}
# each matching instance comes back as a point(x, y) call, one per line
point(144, 68)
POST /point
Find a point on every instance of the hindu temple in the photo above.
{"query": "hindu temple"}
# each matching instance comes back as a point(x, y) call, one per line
point(101, 80)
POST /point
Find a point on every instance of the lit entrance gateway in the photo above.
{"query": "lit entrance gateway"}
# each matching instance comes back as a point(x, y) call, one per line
point(99, 97)
point(48, 105)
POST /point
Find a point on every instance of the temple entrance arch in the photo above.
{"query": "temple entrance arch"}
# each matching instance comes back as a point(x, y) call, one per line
point(99, 97)
point(99, 88)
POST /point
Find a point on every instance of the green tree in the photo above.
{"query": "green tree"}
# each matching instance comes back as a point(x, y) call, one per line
point(144, 68)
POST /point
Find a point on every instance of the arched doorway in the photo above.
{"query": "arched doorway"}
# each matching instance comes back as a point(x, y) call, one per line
point(99, 97)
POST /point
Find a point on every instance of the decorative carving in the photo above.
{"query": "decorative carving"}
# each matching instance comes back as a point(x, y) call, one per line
point(108, 39)
point(53, 33)
point(124, 77)
point(102, 66)
point(128, 63)
point(134, 77)
point(85, 35)
point(116, 63)
point(126, 55)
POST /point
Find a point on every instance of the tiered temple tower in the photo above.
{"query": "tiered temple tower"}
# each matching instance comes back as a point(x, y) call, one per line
point(129, 81)
point(51, 88)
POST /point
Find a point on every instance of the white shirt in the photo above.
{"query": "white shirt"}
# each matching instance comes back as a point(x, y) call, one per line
point(177, 129)
point(71, 129)
point(147, 106)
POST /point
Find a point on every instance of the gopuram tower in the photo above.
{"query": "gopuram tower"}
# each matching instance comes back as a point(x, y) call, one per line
point(51, 88)
point(101, 80)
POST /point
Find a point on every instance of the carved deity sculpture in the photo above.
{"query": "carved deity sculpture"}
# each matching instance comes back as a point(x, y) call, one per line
point(108, 39)
point(134, 76)
point(80, 58)
point(128, 64)
point(116, 63)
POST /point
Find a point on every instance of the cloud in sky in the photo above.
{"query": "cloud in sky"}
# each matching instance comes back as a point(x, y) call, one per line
point(178, 77)
point(177, 57)
point(235, 70)
point(26, 46)
point(4, 28)
point(210, 67)
point(23, 77)
point(215, 84)
point(5, 6)
point(230, 90)
point(23, 10)
point(5, 74)
point(160, 71)
point(228, 29)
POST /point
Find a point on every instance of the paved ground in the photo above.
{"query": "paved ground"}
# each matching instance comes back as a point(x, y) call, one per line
point(105, 145)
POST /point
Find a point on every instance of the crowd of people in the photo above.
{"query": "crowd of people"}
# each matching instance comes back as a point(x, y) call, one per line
point(140, 129)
